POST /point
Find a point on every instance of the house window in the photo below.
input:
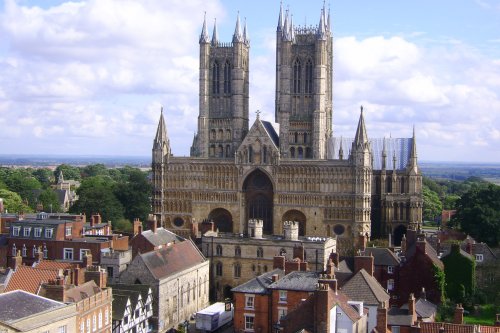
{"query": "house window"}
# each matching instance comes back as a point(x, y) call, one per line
point(390, 284)
point(24, 250)
point(100, 319)
point(68, 231)
point(106, 317)
point(281, 312)
point(15, 231)
point(249, 301)
point(26, 232)
point(395, 329)
point(390, 269)
point(237, 251)
point(14, 250)
point(260, 252)
point(68, 254)
point(283, 296)
point(49, 233)
point(479, 257)
point(38, 232)
point(82, 327)
point(34, 251)
point(88, 325)
point(84, 253)
point(249, 322)
point(218, 250)
point(45, 252)
point(237, 270)
point(94, 323)
point(218, 269)
point(62, 329)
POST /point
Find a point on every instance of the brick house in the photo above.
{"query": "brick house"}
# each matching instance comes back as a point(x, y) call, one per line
point(386, 269)
point(60, 237)
point(178, 276)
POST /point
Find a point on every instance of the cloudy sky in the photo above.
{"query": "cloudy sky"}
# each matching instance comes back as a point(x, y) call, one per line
point(89, 77)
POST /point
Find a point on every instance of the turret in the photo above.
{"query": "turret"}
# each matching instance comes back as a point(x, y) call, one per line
point(204, 39)
point(237, 36)
point(246, 39)
point(322, 27)
point(161, 143)
point(215, 35)
point(412, 165)
point(360, 152)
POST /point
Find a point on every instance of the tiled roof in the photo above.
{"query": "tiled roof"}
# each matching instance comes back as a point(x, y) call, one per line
point(172, 259)
point(29, 278)
point(426, 327)
point(260, 284)
point(364, 287)
point(85, 290)
point(430, 252)
point(53, 265)
point(19, 304)
point(297, 280)
point(382, 256)
point(161, 237)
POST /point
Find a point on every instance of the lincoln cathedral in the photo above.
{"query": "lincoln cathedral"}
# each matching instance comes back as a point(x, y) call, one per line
point(292, 169)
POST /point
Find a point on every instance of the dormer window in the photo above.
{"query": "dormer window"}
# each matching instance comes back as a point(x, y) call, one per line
point(49, 233)
point(15, 231)
point(26, 231)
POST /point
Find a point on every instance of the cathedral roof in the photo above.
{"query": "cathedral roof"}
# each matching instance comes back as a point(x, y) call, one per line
point(272, 132)
point(401, 147)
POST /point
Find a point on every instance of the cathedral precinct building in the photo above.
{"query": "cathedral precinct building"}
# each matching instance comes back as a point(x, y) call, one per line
point(349, 188)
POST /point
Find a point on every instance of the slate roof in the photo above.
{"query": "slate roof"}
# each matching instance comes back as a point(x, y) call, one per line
point(382, 256)
point(28, 278)
point(430, 252)
point(401, 147)
point(161, 237)
point(19, 304)
point(83, 291)
point(260, 284)
point(172, 259)
point(424, 308)
point(364, 287)
point(297, 280)
point(343, 272)
point(399, 317)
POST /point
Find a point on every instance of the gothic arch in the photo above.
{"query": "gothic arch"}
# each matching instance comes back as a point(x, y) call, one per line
point(223, 220)
point(258, 191)
point(296, 215)
point(398, 233)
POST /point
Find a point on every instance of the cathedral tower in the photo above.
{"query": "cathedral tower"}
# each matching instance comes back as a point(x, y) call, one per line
point(223, 97)
point(304, 87)
point(161, 154)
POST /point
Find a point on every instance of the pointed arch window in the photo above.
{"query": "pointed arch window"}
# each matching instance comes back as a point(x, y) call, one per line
point(218, 269)
point(227, 78)
point(237, 270)
point(237, 251)
point(300, 153)
point(215, 77)
point(309, 77)
point(260, 252)
point(297, 69)
point(292, 152)
point(218, 250)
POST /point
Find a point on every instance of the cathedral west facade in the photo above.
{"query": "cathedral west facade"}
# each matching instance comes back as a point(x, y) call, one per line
point(350, 188)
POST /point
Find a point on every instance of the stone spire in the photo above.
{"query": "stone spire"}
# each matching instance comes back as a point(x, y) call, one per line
point(384, 156)
point(413, 153)
point(361, 136)
point(204, 35)
point(161, 132)
point(328, 26)
point(292, 29)
point(286, 29)
point(215, 35)
point(60, 177)
point(245, 33)
point(280, 18)
point(341, 150)
point(237, 36)
point(322, 27)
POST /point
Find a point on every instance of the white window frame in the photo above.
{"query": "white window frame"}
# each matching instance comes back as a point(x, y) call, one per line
point(282, 296)
point(249, 301)
point(395, 329)
point(390, 269)
point(94, 323)
point(16, 230)
point(24, 251)
point(249, 325)
point(106, 316)
point(479, 257)
point(49, 232)
point(390, 284)
point(14, 250)
point(62, 329)
point(26, 231)
point(88, 325)
point(281, 312)
point(68, 250)
point(38, 232)
point(99, 319)
point(68, 231)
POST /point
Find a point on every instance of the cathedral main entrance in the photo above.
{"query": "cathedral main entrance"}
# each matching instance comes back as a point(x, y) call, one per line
point(223, 221)
point(258, 190)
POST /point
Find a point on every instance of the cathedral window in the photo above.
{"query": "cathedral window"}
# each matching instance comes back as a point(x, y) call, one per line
point(218, 269)
point(297, 68)
point(308, 152)
point(237, 270)
point(305, 137)
point(213, 134)
point(220, 135)
point(218, 250)
point(309, 77)
point(260, 252)
point(178, 222)
point(296, 137)
point(228, 150)
point(237, 251)
point(227, 78)
point(402, 181)
point(215, 78)
point(292, 152)
point(339, 229)
point(300, 152)
point(220, 151)
point(212, 150)
point(228, 134)
point(250, 154)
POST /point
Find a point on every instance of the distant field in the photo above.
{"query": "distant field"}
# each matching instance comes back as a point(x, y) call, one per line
point(461, 171)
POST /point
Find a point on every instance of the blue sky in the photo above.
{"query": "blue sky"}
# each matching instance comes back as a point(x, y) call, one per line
point(89, 77)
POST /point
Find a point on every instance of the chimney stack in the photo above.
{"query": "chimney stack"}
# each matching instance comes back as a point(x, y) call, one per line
point(381, 319)
point(137, 226)
point(298, 252)
point(412, 309)
point(458, 317)
point(18, 260)
point(279, 262)
point(152, 223)
point(39, 255)
point(365, 262)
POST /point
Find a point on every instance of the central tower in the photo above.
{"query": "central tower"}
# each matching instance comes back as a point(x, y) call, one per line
point(304, 87)
point(223, 117)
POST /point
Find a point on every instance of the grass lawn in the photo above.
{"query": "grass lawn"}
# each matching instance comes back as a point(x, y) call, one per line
point(486, 316)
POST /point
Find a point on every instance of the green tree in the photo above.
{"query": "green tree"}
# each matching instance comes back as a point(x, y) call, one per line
point(44, 176)
point(134, 193)
point(23, 183)
point(95, 170)
point(48, 198)
point(478, 214)
point(450, 201)
point(69, 172)
point(13, 202)
point(96, 195)
point(432, 204)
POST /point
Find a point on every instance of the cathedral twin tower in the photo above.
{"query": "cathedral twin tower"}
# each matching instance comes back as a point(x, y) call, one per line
point(331, 186)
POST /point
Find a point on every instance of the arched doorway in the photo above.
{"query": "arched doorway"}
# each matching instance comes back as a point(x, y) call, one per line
point(223, 220)
point(258, 191)
point(398, 234)
point(296, 215)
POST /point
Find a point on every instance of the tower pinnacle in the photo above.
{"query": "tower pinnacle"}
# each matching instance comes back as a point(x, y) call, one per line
point(215, 36)
point(361, 136)
point(237, 36)
point(204, 35)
